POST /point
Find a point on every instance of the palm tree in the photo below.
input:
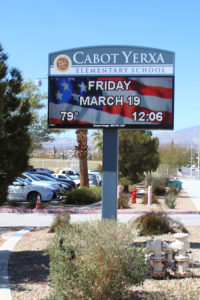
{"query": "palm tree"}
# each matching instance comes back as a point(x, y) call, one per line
point(98, 141)
point(82, 149)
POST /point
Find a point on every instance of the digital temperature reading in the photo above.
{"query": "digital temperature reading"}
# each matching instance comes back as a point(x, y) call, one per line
point(68, 115)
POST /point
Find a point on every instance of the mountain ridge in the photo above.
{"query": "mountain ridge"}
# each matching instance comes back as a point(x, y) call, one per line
point(184, 137)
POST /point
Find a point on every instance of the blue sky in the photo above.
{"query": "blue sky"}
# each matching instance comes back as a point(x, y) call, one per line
point(30, 30)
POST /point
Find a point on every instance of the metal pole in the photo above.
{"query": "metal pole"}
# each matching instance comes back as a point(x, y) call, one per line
point(198, 155)
point(110, 174)
point(191, 162)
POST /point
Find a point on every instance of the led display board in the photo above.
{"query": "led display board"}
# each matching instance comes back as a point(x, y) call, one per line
point(111, 87)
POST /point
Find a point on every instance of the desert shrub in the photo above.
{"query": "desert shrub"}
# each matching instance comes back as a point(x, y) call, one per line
point(157, 180)
point(84, 195)
point(170, 200)
point(154, 199)
point(158, 183)
point(159, 190)
point(123, 201)
point(59, 220)
point(104, 263)
point(157, 222)
point(173, 189)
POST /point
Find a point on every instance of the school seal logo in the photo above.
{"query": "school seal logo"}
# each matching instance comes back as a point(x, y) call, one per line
point(62, 63)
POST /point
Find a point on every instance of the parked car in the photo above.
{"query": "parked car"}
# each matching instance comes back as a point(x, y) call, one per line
point(65, 185)
point(75, 178)
point(45, 170)
point(23, 190)
point(92, 180)
point(97, 174)
point(71, 172)
point(66, 180)
point(35, 180)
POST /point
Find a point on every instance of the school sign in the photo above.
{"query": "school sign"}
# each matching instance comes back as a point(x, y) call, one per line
point(111, 87)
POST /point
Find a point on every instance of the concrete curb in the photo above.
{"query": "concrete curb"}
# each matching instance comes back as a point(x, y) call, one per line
point(5, 251)
point(89, 211)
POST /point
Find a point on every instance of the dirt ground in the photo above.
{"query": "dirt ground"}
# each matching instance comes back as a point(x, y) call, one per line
point(29, 270)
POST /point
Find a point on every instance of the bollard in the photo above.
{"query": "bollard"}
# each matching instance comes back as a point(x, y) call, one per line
point(119, 191)
point(149, 195)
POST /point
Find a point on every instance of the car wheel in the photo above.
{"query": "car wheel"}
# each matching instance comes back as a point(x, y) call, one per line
point(32, 198)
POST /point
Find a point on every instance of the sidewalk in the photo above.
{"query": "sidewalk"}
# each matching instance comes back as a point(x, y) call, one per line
point(5, 251)
point(192, 188)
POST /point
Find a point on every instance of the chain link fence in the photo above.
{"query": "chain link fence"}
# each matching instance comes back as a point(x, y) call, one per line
point(57, 164)
point(164, 170)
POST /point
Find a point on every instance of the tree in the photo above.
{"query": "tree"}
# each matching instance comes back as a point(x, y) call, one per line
point(174, 155)
point(82, 150)
point(138, 153)
point(38, 129)
point(98, 141)
point(15, 118)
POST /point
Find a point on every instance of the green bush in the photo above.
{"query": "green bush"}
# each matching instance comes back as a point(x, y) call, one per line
point(157, 222)
point(104, 262)
point(154, 199)
point(84, 195)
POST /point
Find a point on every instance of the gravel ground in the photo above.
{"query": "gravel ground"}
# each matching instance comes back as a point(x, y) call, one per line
point(29, 269)
point(29, 264)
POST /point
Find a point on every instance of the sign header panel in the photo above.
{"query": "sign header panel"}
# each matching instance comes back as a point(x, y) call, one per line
point(111, 87)
point(113, 60)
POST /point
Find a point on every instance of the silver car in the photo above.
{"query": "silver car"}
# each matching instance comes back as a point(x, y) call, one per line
point(51, 185)
point(23, 190)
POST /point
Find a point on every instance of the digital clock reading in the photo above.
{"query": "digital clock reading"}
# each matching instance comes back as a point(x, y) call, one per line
point(147, 117)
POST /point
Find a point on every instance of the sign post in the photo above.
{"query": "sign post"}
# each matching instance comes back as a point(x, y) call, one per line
point(111, 88)
point(110, 174)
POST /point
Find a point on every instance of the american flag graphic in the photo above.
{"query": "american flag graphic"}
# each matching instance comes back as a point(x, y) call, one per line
point(156, 95)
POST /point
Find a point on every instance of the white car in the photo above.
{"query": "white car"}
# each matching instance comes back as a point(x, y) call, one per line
point(23, 190)
point(91, 177)
point(51, 185)
point(74, 177)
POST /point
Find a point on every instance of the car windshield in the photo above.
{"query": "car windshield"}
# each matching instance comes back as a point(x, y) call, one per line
point(43, 177)
point(33, 177)
point(23, 181)
point(64, 177)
